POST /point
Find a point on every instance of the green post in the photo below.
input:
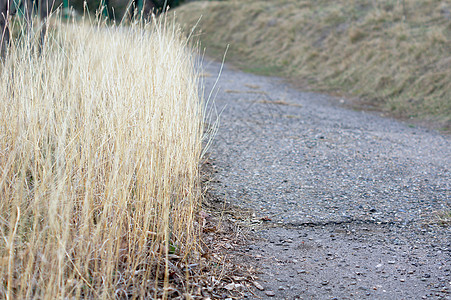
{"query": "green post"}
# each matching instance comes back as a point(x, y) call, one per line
point(140, 7)
point(104, 7)
point(66, 9)
point(16, 4)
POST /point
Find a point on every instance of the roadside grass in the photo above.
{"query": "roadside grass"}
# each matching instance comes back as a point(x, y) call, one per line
point(391, 55)
point(100, 146)
point(444, 218)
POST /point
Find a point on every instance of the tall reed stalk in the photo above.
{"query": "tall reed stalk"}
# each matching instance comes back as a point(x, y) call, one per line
point(100, 142)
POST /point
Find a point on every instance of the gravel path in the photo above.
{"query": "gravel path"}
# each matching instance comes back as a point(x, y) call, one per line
point(350, 198)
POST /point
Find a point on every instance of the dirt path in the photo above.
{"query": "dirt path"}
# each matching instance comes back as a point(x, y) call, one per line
point(349, 198)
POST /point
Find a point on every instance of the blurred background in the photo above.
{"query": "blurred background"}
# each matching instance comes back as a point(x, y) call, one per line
point(116, 9)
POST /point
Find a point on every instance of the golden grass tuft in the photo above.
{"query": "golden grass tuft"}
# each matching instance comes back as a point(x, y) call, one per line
point(100, 142)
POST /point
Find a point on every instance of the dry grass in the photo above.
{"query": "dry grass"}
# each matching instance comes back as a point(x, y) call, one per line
point(443, 218)
point(100, 142)
point(392, 54)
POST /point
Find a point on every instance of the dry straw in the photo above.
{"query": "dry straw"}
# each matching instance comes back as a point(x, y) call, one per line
point(100, 142)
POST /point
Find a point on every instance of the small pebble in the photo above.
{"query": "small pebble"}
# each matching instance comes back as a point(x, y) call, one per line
point(258, 286)
point(270, 293)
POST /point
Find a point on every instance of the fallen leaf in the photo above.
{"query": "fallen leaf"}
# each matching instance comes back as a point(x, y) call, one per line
point(204, 215)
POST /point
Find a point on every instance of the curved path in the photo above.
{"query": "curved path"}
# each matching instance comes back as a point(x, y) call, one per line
point(350, 198)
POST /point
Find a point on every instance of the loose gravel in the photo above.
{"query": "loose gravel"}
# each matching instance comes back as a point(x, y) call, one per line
point(350, 198)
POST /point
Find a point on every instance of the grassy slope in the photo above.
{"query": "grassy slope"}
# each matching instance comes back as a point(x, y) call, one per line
point(393, 55)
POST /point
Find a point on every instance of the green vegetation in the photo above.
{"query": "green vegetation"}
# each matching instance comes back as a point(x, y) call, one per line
point(444, 218)
point(394, 56)
point(100, 145)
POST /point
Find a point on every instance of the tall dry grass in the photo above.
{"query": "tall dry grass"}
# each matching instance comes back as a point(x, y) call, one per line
point(100, 142)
